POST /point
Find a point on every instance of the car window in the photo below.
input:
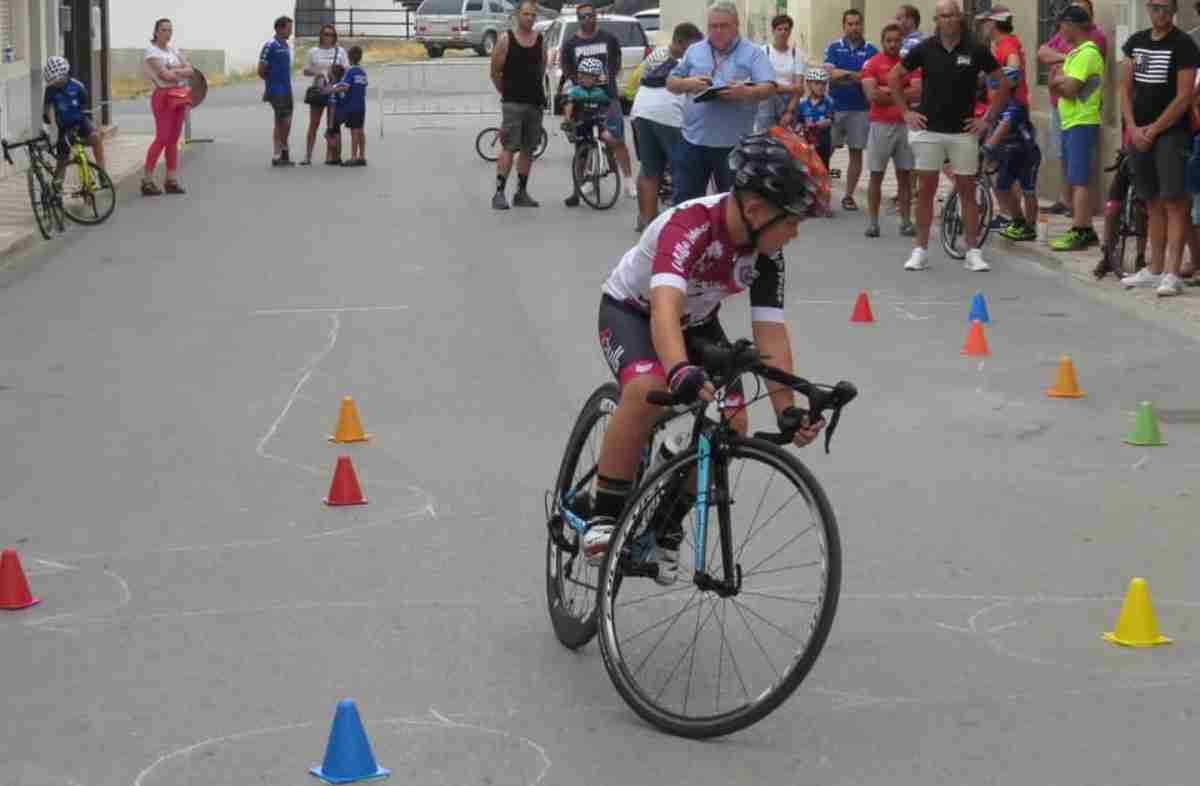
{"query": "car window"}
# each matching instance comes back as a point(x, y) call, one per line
point(649, 23)
point(440, 7)
point(628, 32)
point(474, 5)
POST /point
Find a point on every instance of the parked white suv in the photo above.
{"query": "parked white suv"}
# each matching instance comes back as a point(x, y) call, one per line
point(628, 31)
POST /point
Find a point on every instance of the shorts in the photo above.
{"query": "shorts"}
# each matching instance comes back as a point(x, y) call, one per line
point(1162, 172)
point(1079, 147)
point(82, 131)
point(628, 347)
point(282, 105)
point(850, 129)
point(1020, 168)
point(888, 141)
point(614, 121)
point(656, 143)
point(353, 120)
point(931, 149)
point(520, 127)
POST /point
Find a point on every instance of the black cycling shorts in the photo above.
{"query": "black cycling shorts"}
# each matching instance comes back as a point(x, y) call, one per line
point(628, 346)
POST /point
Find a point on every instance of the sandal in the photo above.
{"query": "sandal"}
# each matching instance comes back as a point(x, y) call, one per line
point(150, 188)
point(848, 203)
point(173, 187)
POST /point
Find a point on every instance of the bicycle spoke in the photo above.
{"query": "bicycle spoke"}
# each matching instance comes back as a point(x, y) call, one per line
point(732, 661)
point(687, 689)
point(777, 597)
point(815, 563)
point(738, 608)
point(789, 542)
point(767, 622)
point(690, 648)
point(763, 526)
point(672, 617)
point(757, 510)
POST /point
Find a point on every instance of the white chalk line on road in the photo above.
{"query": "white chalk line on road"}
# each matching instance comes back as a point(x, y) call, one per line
point(326, 310)
point(440, 722)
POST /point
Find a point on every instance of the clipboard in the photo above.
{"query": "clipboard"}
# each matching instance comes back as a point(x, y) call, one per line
point(713, 93)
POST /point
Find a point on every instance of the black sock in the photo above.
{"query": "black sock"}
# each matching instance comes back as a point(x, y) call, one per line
point(610, 496)
point(522, 180)
point(501, 182)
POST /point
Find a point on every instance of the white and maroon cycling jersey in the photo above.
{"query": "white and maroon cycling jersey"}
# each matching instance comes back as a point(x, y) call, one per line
point(688, 247)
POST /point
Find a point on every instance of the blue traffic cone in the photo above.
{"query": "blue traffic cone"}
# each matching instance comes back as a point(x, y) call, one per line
point(348, 754)
point(979, 310)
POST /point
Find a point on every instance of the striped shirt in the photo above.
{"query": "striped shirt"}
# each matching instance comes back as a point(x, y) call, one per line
point(1156, 66)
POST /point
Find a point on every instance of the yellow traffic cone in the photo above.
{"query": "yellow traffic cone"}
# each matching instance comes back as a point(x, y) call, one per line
point(1066, 386)
point(349, 429)
point(1136, 626)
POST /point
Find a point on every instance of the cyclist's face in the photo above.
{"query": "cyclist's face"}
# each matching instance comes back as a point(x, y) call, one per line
point(816, 89)
point(587, 80)
point(778, 234)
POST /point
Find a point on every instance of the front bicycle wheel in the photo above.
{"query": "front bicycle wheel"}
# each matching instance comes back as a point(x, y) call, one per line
point(37, 191)
point(1130, 224)
point(697, 660)
point(951, 228)
point(88, 195)
point(487, 144)
point(570, 582)
point(543, 141)
point(599, 180)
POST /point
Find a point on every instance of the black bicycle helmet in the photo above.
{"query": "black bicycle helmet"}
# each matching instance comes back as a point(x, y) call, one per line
point(763, 165)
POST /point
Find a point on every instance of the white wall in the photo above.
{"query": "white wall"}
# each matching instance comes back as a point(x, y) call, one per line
point(238, 26)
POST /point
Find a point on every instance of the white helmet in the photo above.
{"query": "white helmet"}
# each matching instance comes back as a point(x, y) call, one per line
point(56, 68)
point(817, 75)
point(591, 65)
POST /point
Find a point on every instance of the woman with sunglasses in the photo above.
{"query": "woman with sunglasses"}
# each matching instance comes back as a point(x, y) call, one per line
point(320, 59)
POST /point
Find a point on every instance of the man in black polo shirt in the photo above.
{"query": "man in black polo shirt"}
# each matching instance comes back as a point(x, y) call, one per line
point(944, 126)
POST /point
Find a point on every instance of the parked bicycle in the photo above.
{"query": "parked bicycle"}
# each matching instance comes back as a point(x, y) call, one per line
point(43, 196)
point(488, 144)
point(744, 623)
point(1125, 217)
point(593, 166)
point(953, 236)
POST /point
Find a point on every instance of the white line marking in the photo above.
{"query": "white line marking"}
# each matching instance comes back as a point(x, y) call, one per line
point(327, 310)
point(546, 763)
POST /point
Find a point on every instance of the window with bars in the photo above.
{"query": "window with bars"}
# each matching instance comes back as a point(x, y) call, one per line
point(1048, 13)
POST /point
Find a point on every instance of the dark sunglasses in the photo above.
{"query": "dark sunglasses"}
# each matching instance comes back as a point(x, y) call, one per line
point(587, 15)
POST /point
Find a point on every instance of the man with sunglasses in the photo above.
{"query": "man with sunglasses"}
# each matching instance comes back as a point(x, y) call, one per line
point(1157, 78)
point(591, 41)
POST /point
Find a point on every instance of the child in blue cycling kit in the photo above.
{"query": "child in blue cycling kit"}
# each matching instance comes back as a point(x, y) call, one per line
point(68, 98)
point(1012, 142)
point(585, 103)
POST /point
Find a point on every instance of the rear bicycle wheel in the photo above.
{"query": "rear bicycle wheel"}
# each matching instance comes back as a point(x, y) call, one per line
point(700, 663)
point(1131, 223)
point(570, 582)
point(90, 198)
point(37, 190)
point(487, 144)
point(543, 141)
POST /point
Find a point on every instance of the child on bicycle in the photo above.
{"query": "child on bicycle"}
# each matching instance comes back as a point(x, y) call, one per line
point(67, 97)
point(667, 291)
point(586, 104)
point(1012, 142)
point(812, 116)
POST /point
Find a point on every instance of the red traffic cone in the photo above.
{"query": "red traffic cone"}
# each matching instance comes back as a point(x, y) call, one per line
point(862, 309)
point(345, 490)
point(14, 588)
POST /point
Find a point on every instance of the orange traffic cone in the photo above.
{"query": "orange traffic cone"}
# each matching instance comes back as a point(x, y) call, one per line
point(349, 427)
point(1065, 386)
point(344, 490)
point(862, 309)
point(14, 587)
point(976, 343)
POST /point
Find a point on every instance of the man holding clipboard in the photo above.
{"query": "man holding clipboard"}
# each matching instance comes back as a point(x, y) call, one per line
point(726, 76)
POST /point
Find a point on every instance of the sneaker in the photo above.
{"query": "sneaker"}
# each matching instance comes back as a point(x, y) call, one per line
point(872, 230)
point(1058, 209)
point(499, 201)
point(596, 538)
point(1142, 278)
point(907, 229)
point(522, 199)
point(630, 189)
point(974, 261)
point(572, 201)
point(1074, 239)
point(1169, 286)
point(1018, 230)
point(1000, 222)
point(917, 260)
point(668, 565)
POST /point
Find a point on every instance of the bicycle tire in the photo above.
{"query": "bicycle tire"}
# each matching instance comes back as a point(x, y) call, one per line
point(599, 165)
point(767, 701)
point(36, 189)
point(952, 224)
point(488, 139)
point(543, 142)
point(1130, 224)
point(574, 630)
point(52, 199)
point(102, 199)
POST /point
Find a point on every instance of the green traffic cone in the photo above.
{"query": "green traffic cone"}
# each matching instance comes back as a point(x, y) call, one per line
point(1145, 428)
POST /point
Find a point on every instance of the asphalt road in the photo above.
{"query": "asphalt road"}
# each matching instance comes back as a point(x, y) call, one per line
point(169, 378)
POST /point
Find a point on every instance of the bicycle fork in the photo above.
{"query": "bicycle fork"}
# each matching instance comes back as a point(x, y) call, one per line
point(715, 469)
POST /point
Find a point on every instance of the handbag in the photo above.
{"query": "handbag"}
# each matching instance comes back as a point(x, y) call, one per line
point(314, 95)
point(179, 96)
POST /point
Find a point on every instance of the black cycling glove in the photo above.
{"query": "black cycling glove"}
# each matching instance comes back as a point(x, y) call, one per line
point(686, 381)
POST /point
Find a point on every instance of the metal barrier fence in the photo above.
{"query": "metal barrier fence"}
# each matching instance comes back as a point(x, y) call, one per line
point(436, 87)
point(357, 22)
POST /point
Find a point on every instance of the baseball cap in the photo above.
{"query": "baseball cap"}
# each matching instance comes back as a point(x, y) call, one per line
point(997, 13)
point(1075, 14)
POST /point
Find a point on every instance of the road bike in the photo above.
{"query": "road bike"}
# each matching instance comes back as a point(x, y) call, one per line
point(488, 144)
point(702, 657)
point(593, 165)
point(1125, 217)
point(43, 197)
point(953, 236)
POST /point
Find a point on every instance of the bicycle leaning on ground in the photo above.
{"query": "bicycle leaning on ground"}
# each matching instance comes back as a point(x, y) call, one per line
point(43, 196)
point(701, 657)
point(953, 239)
point(1124, 217)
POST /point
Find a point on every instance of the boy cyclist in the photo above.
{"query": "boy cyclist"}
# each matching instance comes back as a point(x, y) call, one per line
point(68, 97)
point(585, 102)
point(1013, 142)
point(814, 113)
point(667, 291)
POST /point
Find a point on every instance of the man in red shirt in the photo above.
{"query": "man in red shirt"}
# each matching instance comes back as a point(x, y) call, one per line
point(888, 136)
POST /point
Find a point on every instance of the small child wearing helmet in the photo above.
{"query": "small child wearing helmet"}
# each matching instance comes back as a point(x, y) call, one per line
point(585, 103)
point(68, 98)
point(1012, 142)
point(812, 116)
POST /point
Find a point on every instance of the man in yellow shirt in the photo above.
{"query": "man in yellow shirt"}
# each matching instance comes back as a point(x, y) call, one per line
point(1080, 84)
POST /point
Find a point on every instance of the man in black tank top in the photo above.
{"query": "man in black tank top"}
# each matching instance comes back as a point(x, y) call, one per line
point(519, 72)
